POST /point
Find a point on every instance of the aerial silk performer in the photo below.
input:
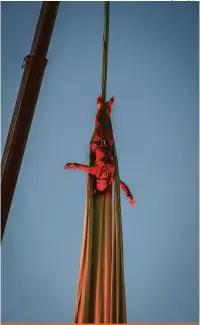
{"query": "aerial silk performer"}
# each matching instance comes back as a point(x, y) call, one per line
point(101, 287)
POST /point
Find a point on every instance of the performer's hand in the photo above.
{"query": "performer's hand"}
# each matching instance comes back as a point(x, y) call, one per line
point(132, 200)
point(69, 166)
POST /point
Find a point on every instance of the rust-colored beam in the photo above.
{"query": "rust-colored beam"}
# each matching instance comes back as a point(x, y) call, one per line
point(34, 67)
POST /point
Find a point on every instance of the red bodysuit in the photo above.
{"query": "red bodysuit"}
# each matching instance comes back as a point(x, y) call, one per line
point(102, 147)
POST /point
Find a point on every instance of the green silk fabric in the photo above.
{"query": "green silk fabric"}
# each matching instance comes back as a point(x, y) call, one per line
point(101, 286)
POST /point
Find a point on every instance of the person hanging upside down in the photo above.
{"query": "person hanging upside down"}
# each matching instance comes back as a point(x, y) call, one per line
point(101, 146)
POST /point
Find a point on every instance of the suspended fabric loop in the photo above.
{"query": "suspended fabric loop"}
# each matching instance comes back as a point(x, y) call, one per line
point(101, 286)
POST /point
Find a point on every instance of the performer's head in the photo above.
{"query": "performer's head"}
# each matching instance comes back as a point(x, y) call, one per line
point(101, 184)
point(107, 105)
point(104, 178)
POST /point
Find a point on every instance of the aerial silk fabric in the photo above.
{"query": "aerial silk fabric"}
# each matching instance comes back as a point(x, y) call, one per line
point(101, 286)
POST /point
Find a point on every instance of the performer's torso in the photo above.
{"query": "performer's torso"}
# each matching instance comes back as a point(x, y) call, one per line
point(103, 154)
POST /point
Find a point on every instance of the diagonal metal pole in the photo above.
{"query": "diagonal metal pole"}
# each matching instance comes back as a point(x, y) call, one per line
point(34, 67)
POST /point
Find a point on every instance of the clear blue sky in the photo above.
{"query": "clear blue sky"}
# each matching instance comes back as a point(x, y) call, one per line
point(153, 73)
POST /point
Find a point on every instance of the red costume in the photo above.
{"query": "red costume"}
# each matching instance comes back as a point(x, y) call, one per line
point(102, 147)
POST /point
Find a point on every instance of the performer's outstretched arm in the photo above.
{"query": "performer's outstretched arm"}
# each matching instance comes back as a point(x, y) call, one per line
point(126, 190)
point(87, 169)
